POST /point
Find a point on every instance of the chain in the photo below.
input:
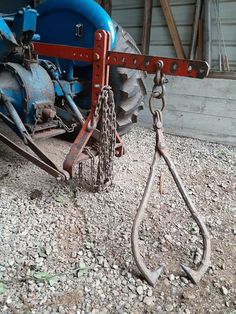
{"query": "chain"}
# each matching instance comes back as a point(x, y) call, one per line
point(105, 118)
point(34, 126)
point(158, 90)
point(80, 172)
point(91, 155)
point(60, 123)
point(94, 121)
point(158, 93)
point(64, 126)
point(106, 150)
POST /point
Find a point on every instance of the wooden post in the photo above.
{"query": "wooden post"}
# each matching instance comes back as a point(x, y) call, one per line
point(200, 41)
point(33, 3)
point(172, 28)
point(106, 4)
point(195, 29)
point(147, 23)
point(108, 7)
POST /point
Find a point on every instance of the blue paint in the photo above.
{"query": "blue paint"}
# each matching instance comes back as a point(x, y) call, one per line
point(71, 88)
point(62, 17)
point(58, 19)
point(28, 84)
point(7, 40)
point(26, 88)
point(25, 22)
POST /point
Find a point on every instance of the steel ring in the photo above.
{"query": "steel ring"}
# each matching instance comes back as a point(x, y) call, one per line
point(151, 105)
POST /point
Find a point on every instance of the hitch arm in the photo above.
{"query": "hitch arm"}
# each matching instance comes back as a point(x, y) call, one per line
point(172, 66)
point(101, 59)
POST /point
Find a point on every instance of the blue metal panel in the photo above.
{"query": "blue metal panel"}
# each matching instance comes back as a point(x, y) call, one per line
point(24, 21)
point(71, 88)
point(26, 88)
point(7, 40)
point(58, 20)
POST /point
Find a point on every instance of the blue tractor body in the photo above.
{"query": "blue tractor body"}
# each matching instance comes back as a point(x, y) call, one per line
point(34, 86)
point(72, 22)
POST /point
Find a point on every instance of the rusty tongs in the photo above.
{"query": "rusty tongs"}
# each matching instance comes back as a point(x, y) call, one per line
point(161, 151)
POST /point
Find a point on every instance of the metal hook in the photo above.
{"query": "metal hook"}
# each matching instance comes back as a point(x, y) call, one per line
point(150, 276)
point(194, 275)
point(161, 151)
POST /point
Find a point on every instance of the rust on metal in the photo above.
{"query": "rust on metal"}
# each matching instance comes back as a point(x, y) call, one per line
point(64, 52)
point(41, 164)
point(162, 152)
point(101, 59)
point(188, 68)
point(100, 79)
point(172, 66)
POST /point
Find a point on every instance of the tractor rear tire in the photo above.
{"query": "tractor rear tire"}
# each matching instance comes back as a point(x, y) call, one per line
point(128, 85)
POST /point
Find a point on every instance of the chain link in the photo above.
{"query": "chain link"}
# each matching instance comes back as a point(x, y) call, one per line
point(158, 90)
point(59, 122)
point(106, 150)
point(105, 119)
point(64, 126)
point(88, 151)
point(80, 172)
point(94, 121)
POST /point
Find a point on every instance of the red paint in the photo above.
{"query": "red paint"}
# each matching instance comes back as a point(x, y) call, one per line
point(101, 59)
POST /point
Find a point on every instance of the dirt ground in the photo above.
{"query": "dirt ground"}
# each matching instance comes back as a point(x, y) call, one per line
point(66, 249)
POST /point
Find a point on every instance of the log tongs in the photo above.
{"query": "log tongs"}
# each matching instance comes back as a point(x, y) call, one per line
point(162, 151)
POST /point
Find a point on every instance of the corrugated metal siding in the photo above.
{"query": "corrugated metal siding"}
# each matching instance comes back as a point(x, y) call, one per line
point(161, 43)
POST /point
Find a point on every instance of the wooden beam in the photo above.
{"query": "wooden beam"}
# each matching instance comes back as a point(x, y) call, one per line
point(195, 29)
point(33, 3)
point(106, 4)
point(200, 41)
point(172, 28)
point(147, 23)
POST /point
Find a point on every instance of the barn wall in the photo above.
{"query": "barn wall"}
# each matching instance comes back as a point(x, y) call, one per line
point(205, 109)
point(226, 34)
point(202, 109)
point(7, 6)
point(130, 15)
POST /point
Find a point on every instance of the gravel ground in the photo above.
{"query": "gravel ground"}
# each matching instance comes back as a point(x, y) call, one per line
point(65, 249)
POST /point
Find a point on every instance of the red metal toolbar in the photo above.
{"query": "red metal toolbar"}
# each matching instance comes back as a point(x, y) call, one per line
point(101, 58)
point(100, 79)
point(177, 67)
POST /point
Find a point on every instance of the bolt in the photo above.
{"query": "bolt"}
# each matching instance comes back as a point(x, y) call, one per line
point(98, 36)
point(96, 56)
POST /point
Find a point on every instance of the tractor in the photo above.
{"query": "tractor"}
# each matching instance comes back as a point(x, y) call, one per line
point(55, 61)
point(67, 69)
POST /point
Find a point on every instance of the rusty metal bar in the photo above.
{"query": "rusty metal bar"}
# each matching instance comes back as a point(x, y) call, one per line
point(50, 170)
point(176, 67)
point(147, 23)
point(100, 79)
